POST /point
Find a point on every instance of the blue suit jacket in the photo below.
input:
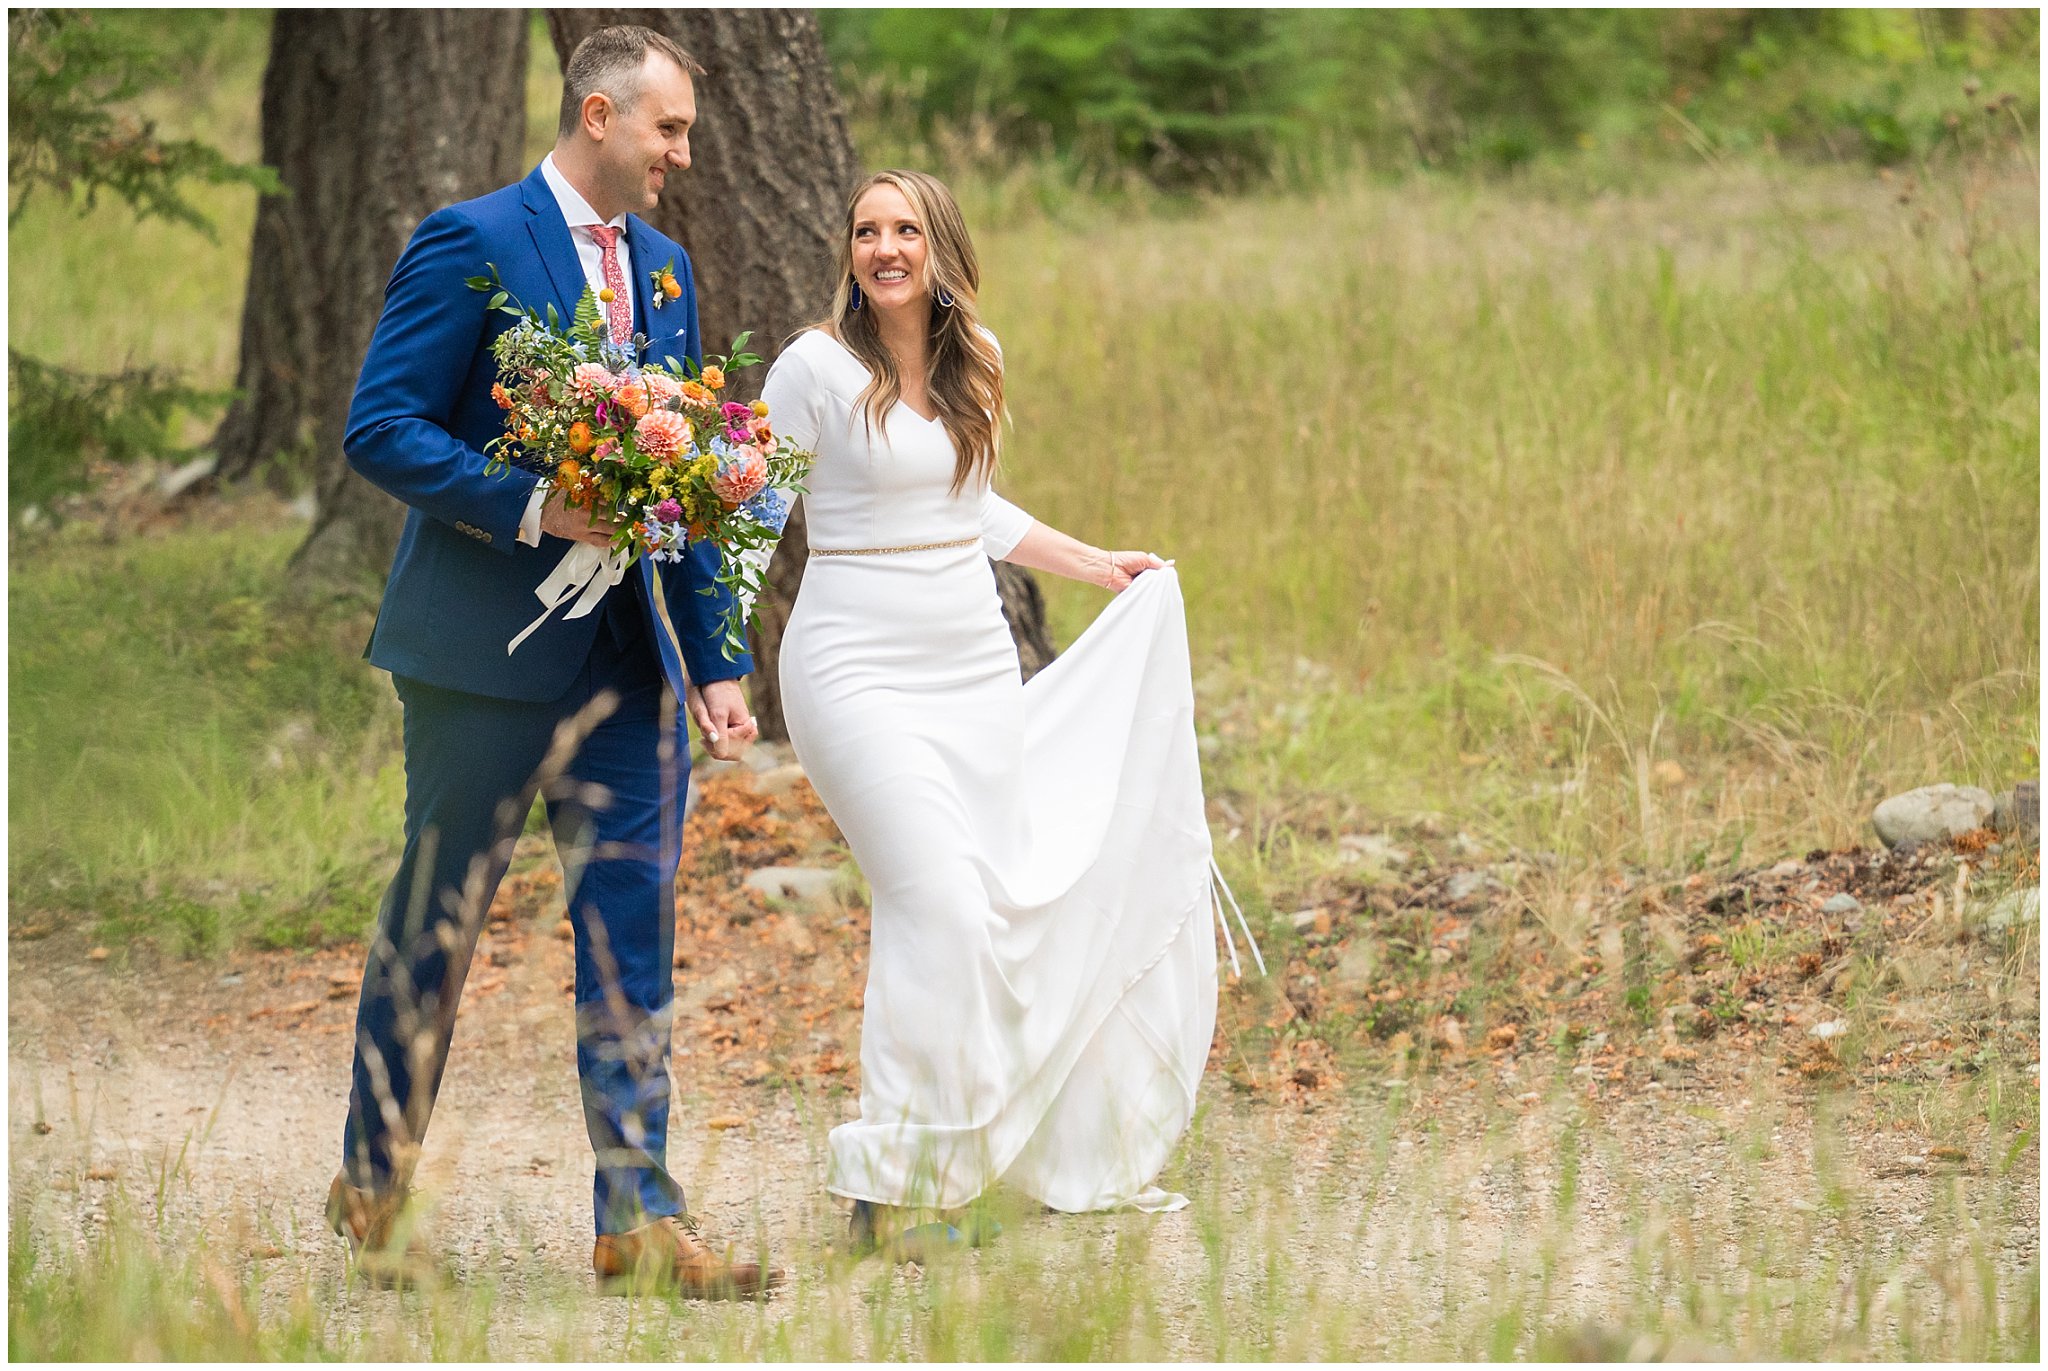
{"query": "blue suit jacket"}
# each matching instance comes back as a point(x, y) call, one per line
point(461, 583)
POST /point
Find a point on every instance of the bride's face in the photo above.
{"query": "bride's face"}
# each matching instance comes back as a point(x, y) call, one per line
point(888, 249)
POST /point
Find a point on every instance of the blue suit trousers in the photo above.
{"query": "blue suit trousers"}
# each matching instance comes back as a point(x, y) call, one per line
point(613, 788)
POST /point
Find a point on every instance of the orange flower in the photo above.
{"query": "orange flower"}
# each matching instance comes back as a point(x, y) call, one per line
point(714, 378)
point(526, 433)
point(580, 440)
point(501, 395)
point(695, 393)
point(671, 287)
point(633, 399)
point(569, 472)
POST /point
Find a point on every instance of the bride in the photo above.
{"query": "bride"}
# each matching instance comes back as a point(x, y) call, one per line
point(1042, 980)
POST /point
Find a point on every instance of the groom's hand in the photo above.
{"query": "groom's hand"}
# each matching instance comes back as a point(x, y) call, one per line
point(559, 517)
point(721, 714)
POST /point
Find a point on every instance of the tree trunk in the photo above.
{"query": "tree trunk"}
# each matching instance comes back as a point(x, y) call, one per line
point(760, 212)
point(373, 120)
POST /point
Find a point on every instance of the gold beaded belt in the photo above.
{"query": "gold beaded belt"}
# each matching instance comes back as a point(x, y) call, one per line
point(886, 551)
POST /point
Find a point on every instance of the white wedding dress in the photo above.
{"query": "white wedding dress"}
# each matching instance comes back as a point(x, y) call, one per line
point(1042, 980)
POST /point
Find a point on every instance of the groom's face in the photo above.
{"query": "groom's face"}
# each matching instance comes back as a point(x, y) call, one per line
point(647, 141)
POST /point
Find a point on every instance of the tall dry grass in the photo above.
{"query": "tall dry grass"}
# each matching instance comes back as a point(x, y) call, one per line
point(1652, 527)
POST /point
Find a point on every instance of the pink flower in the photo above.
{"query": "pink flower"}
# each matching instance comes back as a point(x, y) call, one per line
point(662, 433)
point(591, 381)
point(662, 389)
point(668, 511)
point(733, 410)
point(760, 430)
point(605, 451)
point(740, 477)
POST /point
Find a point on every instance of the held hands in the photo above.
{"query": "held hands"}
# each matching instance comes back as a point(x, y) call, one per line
point(721, 714)
point(559, 517)
point(1116, 570)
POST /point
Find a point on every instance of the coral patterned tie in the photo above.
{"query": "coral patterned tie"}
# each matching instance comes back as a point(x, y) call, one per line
point(619, 313)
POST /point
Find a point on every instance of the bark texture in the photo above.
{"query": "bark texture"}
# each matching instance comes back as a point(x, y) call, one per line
point(760, 212)
point(373, 120)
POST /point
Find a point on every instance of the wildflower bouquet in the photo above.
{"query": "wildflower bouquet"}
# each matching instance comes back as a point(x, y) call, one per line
point(651, 448)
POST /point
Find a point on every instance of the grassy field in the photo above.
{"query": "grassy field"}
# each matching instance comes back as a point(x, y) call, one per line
point(1652, 530)
point(1648, 533)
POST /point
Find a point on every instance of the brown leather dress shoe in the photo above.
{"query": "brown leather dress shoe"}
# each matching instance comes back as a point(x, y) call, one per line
point(383, 1241)
point(670, 1255)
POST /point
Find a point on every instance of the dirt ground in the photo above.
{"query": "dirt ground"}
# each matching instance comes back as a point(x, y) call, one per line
point(231, 1077)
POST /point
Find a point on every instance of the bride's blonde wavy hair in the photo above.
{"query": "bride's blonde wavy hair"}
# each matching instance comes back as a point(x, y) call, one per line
point(964, 372)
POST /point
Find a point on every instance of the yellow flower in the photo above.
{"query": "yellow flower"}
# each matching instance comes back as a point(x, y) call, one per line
point(760, 409)
point(607, 295)
point(639, 494)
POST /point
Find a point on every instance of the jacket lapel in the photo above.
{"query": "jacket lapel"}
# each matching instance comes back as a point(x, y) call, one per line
point(648, 256)
point(551, 240)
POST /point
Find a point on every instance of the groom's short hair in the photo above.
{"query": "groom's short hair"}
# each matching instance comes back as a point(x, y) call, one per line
point(608, 62)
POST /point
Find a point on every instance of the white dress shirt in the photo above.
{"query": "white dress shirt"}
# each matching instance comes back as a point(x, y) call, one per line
point(580, 217)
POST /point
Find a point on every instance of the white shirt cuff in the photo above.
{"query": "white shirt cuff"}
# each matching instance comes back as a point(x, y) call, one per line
point(529, 524)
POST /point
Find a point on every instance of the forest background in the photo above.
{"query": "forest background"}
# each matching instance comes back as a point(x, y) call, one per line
point(1600, 449)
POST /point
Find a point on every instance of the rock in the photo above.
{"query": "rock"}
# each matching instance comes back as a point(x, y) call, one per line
point(777, 780)
point(1373, 849)
point(2018, 907)
point(1309, 921)
point(1931, 814)
point(1466, 885)
point(1783, 869)
point(172, 484)
point(1844, 903)
point(803, 884)
point(2019, 810)
point(1833, 1028)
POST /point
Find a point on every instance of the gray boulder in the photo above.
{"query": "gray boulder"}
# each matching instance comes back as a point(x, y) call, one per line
point(1931, 814)
point(799, 884)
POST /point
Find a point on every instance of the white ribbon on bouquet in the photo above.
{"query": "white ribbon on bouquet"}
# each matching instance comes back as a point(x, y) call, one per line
point(586, 573)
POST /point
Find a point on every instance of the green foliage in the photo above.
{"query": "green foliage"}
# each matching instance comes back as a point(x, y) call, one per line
point(1223, 98)
point(67, 77)
point(72, 132)
point(60, 421)
point(191, 758)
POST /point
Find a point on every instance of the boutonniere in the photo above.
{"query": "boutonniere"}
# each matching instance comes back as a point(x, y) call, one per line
point(666, 286)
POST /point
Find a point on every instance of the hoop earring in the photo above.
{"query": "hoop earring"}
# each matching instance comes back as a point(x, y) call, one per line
point(856, 299)
point(945, 298)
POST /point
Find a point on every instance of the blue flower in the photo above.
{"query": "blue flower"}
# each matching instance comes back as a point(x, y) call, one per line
point(770, 508)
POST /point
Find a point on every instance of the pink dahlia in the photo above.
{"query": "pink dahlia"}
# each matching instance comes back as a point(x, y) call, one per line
point(591, 381)
point(740, 477)
point(662, 433)
point(661, 389)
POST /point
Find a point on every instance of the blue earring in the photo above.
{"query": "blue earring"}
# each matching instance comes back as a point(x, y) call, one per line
point(855, 298)
point(945, 298)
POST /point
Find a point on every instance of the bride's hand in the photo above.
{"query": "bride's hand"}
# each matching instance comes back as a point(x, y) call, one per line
point(1124, 568)
point(727, 744)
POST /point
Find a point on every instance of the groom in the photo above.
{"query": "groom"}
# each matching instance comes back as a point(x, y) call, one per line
point(586, 705)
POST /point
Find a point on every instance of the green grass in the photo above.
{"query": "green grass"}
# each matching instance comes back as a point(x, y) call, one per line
point(189, 757)
point(1476, 491)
